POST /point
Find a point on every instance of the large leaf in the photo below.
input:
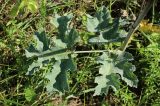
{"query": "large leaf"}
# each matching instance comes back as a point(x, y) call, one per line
point(126, 69)
point(42, 44)
point(66, 34)
point(61, 80)
point(113, 65)
point(106, 26)
point(107, 78)
point(105, 82)
point(45, 53)
point(92, 23)
point(60, 52)
point(62, 23)
point(72, 38)
point(51, 75)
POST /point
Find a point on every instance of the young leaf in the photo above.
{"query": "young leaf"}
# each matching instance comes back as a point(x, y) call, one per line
point(15, 10)
point(32, 6)
point(29, 94)
point(43, 8)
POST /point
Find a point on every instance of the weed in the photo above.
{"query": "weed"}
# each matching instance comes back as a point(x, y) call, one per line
point(79, 74)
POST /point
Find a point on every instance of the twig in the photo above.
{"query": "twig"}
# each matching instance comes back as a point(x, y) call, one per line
point(136, 24)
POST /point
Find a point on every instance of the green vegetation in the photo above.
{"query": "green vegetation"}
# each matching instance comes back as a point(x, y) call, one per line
point(72, 52)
